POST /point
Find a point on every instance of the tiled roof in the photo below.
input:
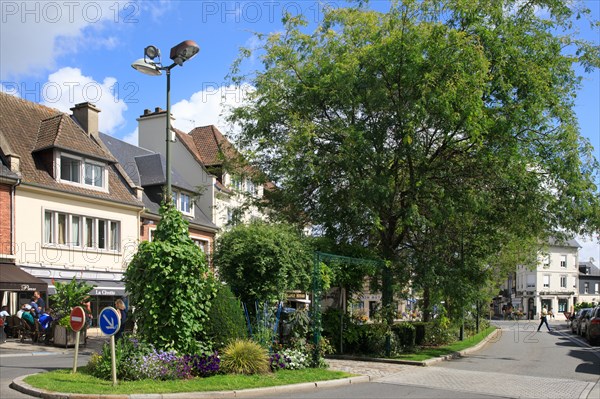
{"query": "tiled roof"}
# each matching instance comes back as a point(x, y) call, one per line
point(213, 146)
point(215, 149)
point(27, 127)
point(209, 142)
point(60, 131)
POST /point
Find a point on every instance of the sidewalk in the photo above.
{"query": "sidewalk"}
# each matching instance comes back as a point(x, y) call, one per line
point(13, 347)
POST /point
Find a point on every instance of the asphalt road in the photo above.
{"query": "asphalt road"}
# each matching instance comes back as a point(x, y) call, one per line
point(15, 365)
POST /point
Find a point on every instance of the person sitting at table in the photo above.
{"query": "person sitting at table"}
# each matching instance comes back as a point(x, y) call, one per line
point(28, 316)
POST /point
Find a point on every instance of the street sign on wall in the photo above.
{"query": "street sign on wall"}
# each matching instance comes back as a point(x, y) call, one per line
point(77, 318)
point(109, 320)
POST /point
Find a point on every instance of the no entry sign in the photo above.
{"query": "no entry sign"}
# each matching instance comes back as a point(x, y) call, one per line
point(77, 319)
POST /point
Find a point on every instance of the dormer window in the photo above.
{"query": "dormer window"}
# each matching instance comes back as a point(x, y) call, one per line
point(78, 170)
point(94, 175)
point(236, 183)
point(70, 169)
point(251, 187)
point(183, 202)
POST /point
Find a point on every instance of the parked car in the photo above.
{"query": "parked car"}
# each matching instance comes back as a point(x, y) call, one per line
point(592, 326)
point(573, 320)
point(580, 320)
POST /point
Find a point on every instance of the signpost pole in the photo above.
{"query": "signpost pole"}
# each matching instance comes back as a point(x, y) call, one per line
point(114, 362)
point(76, 352)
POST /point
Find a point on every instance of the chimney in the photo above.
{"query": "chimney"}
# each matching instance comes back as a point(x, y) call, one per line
point(86, 115)
point(139, 191)
point(14, 162)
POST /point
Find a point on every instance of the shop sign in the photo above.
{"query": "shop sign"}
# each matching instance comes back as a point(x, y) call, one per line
point(105, 292)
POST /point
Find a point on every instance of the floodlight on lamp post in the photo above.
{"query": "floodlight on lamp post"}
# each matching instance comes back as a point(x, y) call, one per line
point(179, 54)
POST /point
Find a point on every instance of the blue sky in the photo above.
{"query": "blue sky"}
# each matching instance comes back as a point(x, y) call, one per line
point(64, 52)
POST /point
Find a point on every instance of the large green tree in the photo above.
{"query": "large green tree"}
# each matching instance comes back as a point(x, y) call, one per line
point(437, 133)
point(170, 286)
point(261, 261)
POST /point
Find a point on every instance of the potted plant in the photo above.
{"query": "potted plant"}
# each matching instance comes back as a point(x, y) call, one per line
point(67, 296)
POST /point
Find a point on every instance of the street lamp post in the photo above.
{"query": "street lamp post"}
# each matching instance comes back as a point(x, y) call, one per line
point(179, 54)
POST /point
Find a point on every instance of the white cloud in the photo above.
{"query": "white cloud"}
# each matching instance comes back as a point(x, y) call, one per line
point(156, 8)
point(132, 138)
point(34, 34)
point(68, 86)
point(210, 106)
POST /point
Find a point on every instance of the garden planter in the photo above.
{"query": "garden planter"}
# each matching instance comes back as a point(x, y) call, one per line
point(64, 336)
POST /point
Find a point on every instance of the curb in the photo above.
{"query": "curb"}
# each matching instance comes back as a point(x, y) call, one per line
point(20, 385)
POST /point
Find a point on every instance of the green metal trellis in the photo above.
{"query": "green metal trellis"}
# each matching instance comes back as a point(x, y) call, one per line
point(317, 291)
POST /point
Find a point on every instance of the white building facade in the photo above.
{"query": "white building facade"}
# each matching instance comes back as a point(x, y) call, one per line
point(553, 283)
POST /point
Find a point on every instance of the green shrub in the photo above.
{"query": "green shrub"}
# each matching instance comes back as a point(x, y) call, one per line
point(471, 324)
point(440, 331)
point(244, 356)
point(68, 295)
point(405, 334)
point(300, 323)
point(226, 318)
point(348, 337)
point(421, 328)
point(372, 339)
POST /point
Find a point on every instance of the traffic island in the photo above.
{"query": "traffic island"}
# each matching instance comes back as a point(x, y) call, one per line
point(20, 385)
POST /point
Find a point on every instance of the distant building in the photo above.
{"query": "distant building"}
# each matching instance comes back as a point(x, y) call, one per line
point(553, 283)
point(589, 283)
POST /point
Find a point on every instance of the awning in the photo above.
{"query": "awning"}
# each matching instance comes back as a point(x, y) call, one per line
point(12, 278)
point(102, 287)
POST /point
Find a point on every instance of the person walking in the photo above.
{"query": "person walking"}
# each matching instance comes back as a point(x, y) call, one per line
point(544, 319)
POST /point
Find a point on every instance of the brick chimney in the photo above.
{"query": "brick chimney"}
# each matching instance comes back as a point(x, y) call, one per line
point(86, 115)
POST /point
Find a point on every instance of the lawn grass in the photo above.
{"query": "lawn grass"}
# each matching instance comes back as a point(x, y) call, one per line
point(84, 383)
point(429, 353)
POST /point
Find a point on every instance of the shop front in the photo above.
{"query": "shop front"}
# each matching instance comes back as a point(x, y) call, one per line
point(104, 293)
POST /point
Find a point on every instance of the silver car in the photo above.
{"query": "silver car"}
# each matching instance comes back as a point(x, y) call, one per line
point(581, 321)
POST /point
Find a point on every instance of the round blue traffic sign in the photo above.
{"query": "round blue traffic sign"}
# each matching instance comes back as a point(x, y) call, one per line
point(110, 320)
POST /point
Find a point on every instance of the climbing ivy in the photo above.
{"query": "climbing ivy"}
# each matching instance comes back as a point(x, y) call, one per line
point(170, 286)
